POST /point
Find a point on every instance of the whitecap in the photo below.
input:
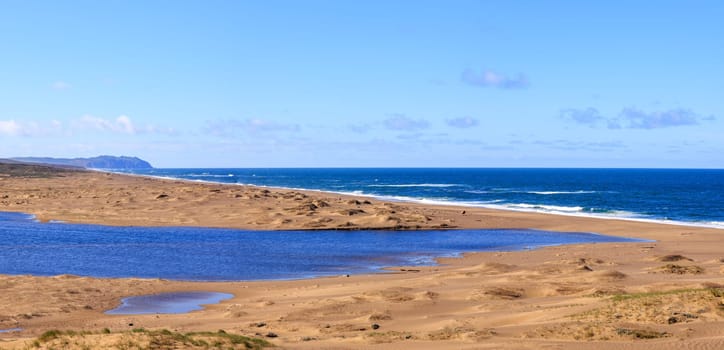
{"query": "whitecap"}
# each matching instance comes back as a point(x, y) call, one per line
point(560, 192)
point(415, 185)
point(543, 207)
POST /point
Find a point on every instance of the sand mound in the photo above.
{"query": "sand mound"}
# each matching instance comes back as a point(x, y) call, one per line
point(609, 275)
point(673, 258)
point(504, 292)
point(680, 269)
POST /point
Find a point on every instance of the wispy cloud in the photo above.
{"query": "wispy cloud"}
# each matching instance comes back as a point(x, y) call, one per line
point(360, 128)
point(402, 122)
point(463, 122)
point(88, 123)
point(29, 128)
point(588, 116)
point(60, 85)
point(122, 124)
point(637, 119)
point(489, 78)
point(497, 147)
point(633, 118)
point(231, 127)
point(569, 145)
point(428, 139)
point(10, 128)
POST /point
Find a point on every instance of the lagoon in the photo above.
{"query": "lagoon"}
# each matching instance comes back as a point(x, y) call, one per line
point(209, 254)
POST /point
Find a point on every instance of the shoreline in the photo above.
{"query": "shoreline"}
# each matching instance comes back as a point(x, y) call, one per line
point(597, 296)
point(434, 202)
point(451, 206)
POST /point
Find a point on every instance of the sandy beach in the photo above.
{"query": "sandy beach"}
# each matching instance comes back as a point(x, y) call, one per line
point(665, 294)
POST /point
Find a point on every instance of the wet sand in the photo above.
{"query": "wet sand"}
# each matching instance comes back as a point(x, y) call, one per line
point(661, 295)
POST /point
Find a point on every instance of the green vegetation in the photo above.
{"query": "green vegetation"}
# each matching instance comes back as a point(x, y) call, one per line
point(631, 296)
point(49, 335)
point(641, 333)
point(250, 343)
point(141, 339)
point(717, 292)
point(18, 170)
point(681, 269)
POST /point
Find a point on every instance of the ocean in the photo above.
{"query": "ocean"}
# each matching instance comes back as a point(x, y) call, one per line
point(681, 196)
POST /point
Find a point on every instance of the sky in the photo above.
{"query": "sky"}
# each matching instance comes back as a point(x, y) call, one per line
point(365, 83)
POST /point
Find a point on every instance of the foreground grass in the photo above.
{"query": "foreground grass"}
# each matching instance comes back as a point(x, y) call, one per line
point(142, 339)
point(715, 292)
point(641, 316)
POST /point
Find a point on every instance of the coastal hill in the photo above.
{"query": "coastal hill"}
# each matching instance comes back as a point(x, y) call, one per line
point(100, 162)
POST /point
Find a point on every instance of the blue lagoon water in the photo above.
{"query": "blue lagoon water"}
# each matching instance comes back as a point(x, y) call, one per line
point(185, 253)
point(688, 196)
point(11, 330)
point(168, 303)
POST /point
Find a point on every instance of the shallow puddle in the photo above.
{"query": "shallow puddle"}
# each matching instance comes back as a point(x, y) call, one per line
point(168, 303)
point(10, 330)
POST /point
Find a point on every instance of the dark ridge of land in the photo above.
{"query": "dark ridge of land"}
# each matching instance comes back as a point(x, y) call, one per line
point(100, 162)
point(17, 169)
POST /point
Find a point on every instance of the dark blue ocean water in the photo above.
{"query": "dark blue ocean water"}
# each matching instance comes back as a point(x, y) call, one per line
point(672, 195)
point(30, 247)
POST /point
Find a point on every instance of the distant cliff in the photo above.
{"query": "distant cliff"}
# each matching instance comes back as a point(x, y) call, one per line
point(102, 162)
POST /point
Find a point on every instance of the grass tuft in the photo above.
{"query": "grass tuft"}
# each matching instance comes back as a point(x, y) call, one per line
point(49, 335)
point(681, 269)
point(642, 333)
point(141, 338)
point(631, 296)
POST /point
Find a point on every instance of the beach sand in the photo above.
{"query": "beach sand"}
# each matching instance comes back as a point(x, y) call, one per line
point(667, 294)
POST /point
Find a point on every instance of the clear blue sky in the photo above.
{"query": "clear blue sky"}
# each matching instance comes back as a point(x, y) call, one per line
point(366, 83)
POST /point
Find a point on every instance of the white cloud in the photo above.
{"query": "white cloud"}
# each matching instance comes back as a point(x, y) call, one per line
point(31, 128)
point(10, 128)
point(488, 78)
point(122, 124)
point(125, 123)
point(60, 85)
